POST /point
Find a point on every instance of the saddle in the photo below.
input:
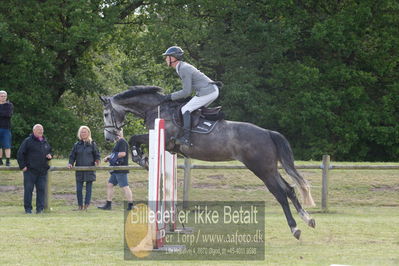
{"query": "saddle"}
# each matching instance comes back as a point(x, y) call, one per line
point(210, 113)
point(203, 120)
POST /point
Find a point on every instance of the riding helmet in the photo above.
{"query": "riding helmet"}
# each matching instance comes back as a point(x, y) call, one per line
point(174, 51)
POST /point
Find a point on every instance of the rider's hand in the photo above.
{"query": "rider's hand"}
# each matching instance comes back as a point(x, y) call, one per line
point(167, 97)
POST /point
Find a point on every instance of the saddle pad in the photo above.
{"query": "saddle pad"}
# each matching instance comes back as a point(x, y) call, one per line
point(204, 126)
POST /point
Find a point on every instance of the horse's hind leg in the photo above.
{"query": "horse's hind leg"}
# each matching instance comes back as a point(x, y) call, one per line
point(302, 213)
point(280, 194)
point(270, 177)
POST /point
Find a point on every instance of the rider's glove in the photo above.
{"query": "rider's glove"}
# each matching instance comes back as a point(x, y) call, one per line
point(168, 97)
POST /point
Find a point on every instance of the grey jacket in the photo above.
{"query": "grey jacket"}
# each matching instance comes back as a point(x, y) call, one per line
point(192, 79)
point(84, 154)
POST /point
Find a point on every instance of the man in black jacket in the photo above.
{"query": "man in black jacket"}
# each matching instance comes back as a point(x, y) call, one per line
point(6, 110)
point(33, 156)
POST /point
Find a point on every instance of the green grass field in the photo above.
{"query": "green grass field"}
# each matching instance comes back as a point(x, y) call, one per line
point(361, 227)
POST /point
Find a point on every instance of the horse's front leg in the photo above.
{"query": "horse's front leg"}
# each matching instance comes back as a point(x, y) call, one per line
point(137, 153)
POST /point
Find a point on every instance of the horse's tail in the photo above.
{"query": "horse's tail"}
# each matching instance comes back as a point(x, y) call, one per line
point(286, 158)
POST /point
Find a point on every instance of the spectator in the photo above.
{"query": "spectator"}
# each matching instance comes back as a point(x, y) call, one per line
point(6, 110)
point(84, 153)
point(119, 156)
point(33, 157)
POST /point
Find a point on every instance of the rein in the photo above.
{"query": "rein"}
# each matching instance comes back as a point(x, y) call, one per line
point(156, 111)
point(146, 115)
point(114, 123)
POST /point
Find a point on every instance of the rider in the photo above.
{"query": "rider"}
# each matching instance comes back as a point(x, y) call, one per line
point(206, 90)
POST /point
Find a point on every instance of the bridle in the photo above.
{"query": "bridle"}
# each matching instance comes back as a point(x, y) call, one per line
point(113, 122)
point(114, 125)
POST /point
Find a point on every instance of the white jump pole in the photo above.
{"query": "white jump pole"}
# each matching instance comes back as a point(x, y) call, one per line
point(162, 184)
point(171, 187)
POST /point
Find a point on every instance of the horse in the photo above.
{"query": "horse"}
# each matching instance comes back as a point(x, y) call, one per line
point(257, 148)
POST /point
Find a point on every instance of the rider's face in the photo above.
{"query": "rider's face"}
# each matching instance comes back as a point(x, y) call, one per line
point(170, 60)
point(167, 60)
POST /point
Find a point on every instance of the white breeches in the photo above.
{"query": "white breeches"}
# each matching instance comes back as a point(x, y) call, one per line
point(200, 101)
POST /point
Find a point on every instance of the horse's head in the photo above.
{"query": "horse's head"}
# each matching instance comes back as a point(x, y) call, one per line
point(113, 119)
point(141, 101)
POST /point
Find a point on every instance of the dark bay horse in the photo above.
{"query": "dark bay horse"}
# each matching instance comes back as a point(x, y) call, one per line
point(258, 149)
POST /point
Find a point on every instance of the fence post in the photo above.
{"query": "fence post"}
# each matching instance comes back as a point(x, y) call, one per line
point(47, 193)
point(187, 182)
point(324, 186)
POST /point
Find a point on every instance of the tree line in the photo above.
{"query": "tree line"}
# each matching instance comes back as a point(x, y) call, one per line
point(323, 73)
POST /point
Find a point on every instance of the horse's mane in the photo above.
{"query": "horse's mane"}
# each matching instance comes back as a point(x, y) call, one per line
point(137, 90)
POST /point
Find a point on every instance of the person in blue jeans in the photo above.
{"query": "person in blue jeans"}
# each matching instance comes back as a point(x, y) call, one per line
point(120, 157)
point(84, 153)
point(33, 157)
point(6, 111)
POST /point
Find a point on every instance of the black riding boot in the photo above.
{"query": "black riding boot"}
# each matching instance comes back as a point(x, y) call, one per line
point(185, 139)
point(107, 206)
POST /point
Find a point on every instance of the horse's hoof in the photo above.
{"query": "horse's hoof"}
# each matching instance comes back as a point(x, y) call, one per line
point(312, 223)
point(144, 163)
point(296, 233)
point(136, 159)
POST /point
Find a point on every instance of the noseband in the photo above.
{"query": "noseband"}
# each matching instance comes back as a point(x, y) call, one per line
point(113, 121)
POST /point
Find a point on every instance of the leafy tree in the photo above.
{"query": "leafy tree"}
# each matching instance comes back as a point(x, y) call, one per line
point(44, 47)
point(350, 46)
point(322, 73)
